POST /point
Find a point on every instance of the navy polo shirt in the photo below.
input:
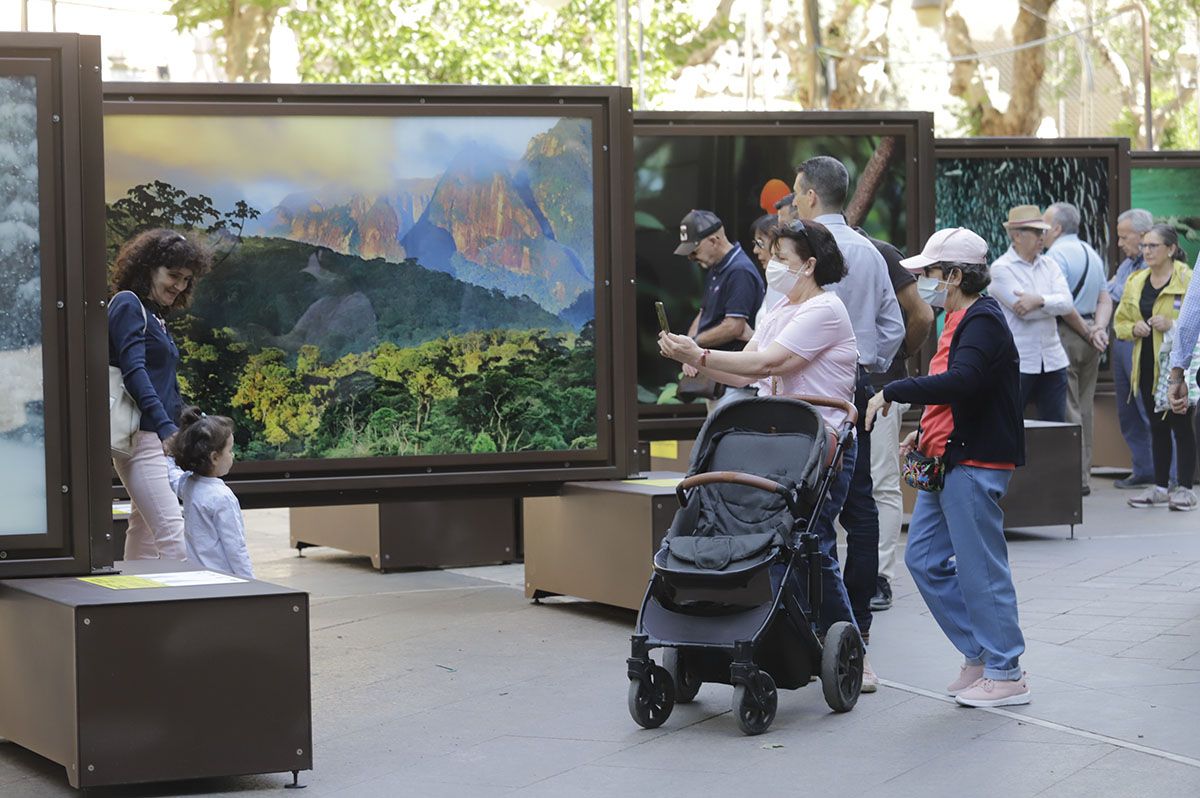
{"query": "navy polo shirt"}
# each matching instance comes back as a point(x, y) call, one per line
point(734, 288)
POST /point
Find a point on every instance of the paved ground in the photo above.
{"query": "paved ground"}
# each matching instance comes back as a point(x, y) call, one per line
point(452, 684)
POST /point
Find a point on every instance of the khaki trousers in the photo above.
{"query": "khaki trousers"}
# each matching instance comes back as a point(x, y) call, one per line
point(885, 478)
point(1083, 366)
point(155, 521)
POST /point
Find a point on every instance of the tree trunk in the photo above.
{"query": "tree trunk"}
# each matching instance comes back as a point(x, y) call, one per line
point(247, 34)
point(1024, 113)
point(869, 184)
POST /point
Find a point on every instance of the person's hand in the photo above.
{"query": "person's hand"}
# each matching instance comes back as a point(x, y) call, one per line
point(1160, 323)
point(679, 348)
point(876, 404)
point(1177, 394)
point(1141, 329)
point(908, 444)
point(1099, 339)
point(690, 370)
point(1027, 303)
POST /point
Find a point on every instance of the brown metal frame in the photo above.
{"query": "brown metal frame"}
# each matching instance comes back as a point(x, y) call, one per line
point(352, 479)
point(1164, 159)
point(74, 356)
point(916, 128)
point(1116, 150)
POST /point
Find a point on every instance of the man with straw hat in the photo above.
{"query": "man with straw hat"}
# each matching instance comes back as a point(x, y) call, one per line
point(1034, 294)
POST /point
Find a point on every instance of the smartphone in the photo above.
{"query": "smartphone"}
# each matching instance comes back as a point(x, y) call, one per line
point(662, 317)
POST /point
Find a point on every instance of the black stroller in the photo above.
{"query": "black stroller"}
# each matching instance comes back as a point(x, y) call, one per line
point(722, 602)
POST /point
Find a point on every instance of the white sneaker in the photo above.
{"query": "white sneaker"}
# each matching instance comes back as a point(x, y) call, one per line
point(870, 680)
point(990, 693)
point(1153, 496)
point(1183, 499)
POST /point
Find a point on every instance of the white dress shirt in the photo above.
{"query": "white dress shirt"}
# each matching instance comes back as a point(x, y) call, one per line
point(1035, 333)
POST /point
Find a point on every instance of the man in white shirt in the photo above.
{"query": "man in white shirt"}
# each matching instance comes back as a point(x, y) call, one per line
point(1034, 294)
point(1083, 270)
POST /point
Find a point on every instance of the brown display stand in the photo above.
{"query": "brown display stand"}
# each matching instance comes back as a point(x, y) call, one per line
point(596, 540)
point(415, 534)
point(156, 684)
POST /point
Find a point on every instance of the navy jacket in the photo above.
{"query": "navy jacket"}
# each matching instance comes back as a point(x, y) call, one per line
point(148, 363)
point(981, 384)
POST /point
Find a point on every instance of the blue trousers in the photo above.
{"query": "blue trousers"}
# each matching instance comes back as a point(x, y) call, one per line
point(959, 561)
point(835, 603)
point(1131, 416)
point(1049, 391)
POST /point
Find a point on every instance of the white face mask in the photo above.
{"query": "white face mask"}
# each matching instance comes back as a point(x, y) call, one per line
point(927, 287)
point(780, 277)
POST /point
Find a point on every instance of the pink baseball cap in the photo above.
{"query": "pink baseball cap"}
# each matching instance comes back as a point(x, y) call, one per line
point(951, 244)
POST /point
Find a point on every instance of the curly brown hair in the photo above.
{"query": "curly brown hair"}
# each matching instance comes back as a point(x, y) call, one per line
point(151, 250)
point(200, 436)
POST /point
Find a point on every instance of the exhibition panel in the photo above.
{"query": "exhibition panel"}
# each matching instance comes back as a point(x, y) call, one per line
point(53, 435)
point(1164, 183)
point(979, 179)
point(723, 162)
point(413, 286)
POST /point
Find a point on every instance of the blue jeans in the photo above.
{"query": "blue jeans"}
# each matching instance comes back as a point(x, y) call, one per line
point(1049, 391)
point(1131, 416)
point(959, 560)
point(835, 603)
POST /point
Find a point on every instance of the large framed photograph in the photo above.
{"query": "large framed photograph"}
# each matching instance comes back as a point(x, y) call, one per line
point(413, 286)
point(721, 162)
point(979, 179)
point(53, 420)
point(1164, 183)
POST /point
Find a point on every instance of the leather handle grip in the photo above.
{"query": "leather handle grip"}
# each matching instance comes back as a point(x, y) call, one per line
point(737, 478)
point(825, 401)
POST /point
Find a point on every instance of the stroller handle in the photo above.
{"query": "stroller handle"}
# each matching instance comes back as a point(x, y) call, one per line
point(825, 401)
point(738, 478)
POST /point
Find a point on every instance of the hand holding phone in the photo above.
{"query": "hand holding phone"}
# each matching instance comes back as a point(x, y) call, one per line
point(662, 317)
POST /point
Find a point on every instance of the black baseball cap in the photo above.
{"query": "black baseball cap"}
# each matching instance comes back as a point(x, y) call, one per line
point(695, 227)
point(783, 201)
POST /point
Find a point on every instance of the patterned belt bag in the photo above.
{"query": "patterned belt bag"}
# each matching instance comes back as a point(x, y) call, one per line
point(921, 471)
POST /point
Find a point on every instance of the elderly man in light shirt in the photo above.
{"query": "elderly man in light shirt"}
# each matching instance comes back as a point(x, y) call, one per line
point(1187, 331)
point(1083, 269)
point(1034, 294)
point(821, 189)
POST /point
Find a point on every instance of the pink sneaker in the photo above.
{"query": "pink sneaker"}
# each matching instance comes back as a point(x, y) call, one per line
point(967, 676)
point(991, 693)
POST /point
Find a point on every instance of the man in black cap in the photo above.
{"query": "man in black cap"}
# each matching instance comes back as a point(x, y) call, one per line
point(784, 209)
point(733, 290)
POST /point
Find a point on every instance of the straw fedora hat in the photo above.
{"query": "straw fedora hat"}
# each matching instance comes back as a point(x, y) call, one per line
point(1026, 216)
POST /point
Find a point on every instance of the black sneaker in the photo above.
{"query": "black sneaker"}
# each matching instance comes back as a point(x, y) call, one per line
point(882, 600)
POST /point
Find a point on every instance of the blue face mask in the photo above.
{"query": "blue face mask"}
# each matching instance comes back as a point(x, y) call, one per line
point(927, 287)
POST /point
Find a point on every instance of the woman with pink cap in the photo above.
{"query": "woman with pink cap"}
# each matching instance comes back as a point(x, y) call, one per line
point(970, 440)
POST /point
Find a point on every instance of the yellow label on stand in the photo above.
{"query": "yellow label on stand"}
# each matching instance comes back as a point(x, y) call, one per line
point(121, 582)
point(666, 449)
point(669, 482)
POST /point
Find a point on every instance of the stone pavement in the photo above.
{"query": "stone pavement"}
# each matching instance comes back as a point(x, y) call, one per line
point(453, 684)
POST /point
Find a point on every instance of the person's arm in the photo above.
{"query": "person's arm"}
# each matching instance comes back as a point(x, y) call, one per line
point(967, 373)
point(694, 326)
point(731, 328)
point(1077, 324)
point(1187, 329)
point(231, 534)
point(1058, 300)
point(919, 315)
point(1127, 315)
point(1104, 311)
point(889, 324)
point(175, 475)
point(1004, 286)
point(127, 329)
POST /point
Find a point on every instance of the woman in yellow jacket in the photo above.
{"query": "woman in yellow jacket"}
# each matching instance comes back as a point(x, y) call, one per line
point(1148, 309)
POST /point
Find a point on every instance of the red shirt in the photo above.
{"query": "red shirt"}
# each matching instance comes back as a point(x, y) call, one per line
point(937, 422)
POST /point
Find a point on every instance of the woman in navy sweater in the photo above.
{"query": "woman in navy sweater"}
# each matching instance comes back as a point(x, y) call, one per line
point(155, 273)
point(972, 422)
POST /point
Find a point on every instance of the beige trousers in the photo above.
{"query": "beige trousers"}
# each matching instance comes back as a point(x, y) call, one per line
point(885, 475)
point(155, 521)
point(1082, 369)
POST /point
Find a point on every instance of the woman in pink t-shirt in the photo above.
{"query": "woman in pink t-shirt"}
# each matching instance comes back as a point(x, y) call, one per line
point(805, 345)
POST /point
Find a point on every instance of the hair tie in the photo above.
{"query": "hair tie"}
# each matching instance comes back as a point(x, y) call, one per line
point(203, 414)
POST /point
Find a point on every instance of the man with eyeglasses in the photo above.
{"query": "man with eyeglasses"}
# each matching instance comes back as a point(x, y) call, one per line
point(821, 189)
point(1034, 294)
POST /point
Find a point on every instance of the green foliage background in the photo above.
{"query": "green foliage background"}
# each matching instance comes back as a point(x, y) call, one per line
point(1170, 194)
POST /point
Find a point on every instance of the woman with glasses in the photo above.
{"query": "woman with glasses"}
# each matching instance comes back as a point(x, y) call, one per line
point(1148, 310)
point(155, 273)
point(804, 345)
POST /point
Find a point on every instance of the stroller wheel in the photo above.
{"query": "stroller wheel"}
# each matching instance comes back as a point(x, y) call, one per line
point(652, 699)
point(842, 666)
point(686, 683)
point(755, 708)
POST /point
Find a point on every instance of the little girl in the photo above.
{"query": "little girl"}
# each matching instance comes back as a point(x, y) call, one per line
point(202, 453)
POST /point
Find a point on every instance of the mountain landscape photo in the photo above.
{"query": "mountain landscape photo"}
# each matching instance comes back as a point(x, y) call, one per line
point(410, 292)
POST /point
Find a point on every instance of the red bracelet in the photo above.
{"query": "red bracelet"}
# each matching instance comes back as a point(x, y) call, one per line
point(703, 358)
